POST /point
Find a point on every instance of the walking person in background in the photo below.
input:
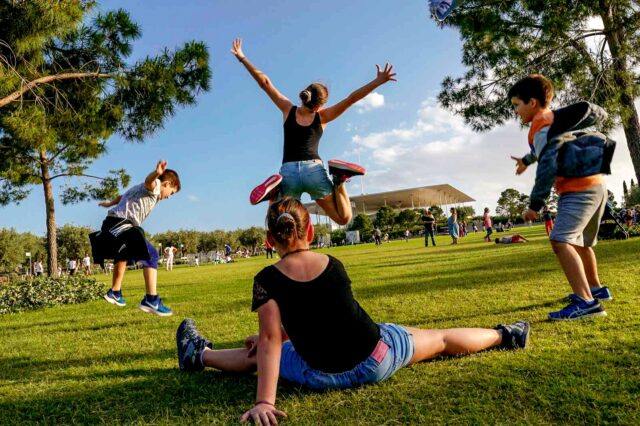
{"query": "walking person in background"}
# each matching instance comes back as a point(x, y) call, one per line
point(452, 223)
point(548, 220)
point(169, 253)
point(377, 236)
point(39, 268)
point(429, 223)
point(269, 249)
point(86, 264)
point(487, 224)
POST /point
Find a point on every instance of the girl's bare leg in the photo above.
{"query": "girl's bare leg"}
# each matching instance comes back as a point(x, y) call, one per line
point(452, 341)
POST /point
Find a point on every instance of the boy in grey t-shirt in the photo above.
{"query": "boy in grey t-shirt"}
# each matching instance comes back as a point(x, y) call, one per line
point(122, 238)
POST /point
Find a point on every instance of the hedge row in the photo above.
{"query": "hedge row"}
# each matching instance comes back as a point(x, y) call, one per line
point(41, 292)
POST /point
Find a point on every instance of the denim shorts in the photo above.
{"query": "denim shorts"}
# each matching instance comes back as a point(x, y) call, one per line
point(310, 176)
point(394, 351)
point(579, 215)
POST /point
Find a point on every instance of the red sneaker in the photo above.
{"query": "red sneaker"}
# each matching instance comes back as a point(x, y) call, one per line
point(344, 170)
point(266, 190)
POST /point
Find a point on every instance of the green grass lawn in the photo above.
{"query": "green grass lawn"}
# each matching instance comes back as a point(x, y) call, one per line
point(97, 363)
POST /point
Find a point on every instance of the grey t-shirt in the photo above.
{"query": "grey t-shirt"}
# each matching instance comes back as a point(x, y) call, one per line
point(137, 203)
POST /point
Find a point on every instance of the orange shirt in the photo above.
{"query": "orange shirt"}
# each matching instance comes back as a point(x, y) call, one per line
point(543, 119)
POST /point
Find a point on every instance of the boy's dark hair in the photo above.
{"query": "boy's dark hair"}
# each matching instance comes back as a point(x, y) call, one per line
point(534, 86)
point(171, 176)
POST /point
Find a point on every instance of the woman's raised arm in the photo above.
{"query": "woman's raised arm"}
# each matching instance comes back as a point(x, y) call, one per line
point(261, 78)
point(335, 111)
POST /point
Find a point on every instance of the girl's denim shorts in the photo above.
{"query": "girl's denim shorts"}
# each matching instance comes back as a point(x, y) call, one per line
point(394, 351)
point(310, 176)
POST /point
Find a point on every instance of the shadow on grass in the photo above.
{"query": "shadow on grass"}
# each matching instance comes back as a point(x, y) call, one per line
point(136, 395)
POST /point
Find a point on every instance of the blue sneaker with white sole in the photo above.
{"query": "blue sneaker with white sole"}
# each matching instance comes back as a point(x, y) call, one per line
point(190, 346)
point(578, 309)
point(112, 298)
point(155, 307)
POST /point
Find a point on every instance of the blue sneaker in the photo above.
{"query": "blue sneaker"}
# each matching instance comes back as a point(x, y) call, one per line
point(579, 308)
point(114, 300)
point(190, 346)
point(441, 9)
point(600, 293)
point(156, 307)
point(514, 336)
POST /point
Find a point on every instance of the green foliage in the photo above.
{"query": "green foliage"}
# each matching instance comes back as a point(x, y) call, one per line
point(253, 237)
point(14, 245)
point(512, 203)
point(320, 230)
point(338, 236)
point(42, 292)
point(362, 223)
point(465, 213)
point(73, 241)
point(385, 218)
point(633, 199)
point(407, 218)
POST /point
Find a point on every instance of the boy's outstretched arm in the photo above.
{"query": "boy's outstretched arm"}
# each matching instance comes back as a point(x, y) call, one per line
point(335, 111)
point(150, 181)
point(113, 202)
point(281, 101)
point(545, 176)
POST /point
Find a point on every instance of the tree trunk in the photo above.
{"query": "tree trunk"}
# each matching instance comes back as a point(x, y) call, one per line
point(52, 244)
point(615, 36)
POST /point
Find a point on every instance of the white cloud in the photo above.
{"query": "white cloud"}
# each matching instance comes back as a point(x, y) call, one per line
point(371, 101)
point(193, 198)
point(438, 148)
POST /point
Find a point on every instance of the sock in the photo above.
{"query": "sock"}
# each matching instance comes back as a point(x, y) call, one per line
point(202, 355)
point(151, 297)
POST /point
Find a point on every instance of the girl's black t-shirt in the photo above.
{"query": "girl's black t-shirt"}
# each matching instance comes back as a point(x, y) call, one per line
point(301, 142)
point(326, 325)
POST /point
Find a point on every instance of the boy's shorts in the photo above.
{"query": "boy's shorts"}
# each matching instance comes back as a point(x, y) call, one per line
point(310, 176)
point(579, 216)
point(395, 350)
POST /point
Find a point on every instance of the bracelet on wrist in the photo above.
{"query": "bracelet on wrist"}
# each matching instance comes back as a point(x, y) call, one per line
point(263, 402)
point(242, 59)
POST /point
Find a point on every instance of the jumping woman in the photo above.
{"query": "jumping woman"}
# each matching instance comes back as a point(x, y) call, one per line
point(302, 169)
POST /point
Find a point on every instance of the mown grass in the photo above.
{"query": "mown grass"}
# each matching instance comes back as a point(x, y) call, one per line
point(96, 363)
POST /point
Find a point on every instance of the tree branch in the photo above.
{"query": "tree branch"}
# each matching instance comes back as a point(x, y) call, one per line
point(44, 80)
point(81, 174)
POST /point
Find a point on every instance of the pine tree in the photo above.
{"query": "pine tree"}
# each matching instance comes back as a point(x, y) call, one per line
point(65, 88)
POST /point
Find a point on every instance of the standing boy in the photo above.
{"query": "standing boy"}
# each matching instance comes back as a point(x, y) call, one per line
point(580, 206)
point(122, 239)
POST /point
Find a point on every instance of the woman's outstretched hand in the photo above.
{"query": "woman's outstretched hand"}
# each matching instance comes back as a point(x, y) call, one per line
point(236, 48)
point(385, 74)
point(263, 414)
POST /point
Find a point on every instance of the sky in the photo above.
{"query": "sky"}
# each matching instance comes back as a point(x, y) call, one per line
point(232, 139)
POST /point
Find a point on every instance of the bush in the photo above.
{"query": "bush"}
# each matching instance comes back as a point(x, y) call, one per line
point(38, 293)
point(634, 231)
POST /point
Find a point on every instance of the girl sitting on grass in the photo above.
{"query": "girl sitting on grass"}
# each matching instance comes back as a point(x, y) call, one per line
point(313, 332)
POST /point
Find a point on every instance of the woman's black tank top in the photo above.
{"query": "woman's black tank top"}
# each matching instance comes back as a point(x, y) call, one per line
point(301, 142)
